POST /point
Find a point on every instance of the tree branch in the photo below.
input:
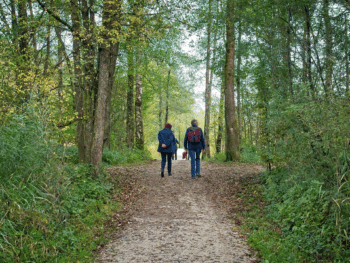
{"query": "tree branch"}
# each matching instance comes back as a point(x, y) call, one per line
point(55, 16)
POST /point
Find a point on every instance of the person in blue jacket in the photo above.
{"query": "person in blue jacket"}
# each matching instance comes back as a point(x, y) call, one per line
point(194, 143)
point(166, 147)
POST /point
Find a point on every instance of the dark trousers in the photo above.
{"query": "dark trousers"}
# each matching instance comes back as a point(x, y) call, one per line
point(174, 156)
point(164, 157)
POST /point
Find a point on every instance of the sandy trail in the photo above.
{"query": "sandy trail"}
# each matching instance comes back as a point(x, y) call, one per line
point(179, 221)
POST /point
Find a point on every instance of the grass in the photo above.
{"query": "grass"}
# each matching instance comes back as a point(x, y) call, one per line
point(263, 235)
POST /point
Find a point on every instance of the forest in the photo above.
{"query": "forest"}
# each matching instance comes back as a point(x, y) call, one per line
point(86, 84)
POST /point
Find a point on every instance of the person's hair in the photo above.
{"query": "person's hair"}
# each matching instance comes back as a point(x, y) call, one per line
point(168, 125)
point(193, 121)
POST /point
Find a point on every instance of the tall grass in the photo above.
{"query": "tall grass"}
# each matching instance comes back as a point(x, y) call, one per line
point(49, 211)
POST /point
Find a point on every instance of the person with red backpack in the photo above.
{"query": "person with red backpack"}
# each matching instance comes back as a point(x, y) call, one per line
point(194, 143)
point(167, 146)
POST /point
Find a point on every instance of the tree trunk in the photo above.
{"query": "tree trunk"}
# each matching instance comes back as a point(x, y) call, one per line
point(77, 84)
point(232, 144)
point(138, 113)
point(328, 49)
point(23, 29)
point(308, 50)
point(238, 80)
point(207, 89)
point(107, 60)
point(288, 55)
point(218, 142)
point(33, 36)
point(97, 142)
point(14, 23)
point(167, 99)
point(112, 66)
point(161, 124)
point(346, 60)
point(130, 123)
point(48, 47)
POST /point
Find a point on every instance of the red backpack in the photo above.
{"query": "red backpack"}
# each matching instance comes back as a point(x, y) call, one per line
point(194, 134)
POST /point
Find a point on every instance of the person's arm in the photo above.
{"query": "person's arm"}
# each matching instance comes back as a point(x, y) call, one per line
point(202, 141)
point(186, 141)
point(164, 140)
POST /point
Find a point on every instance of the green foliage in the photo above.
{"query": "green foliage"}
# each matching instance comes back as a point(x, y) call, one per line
point(219, 157)
point(309, 191)
point(251, 154)
point(124, 156)
point(23, 145)
point(49, 212)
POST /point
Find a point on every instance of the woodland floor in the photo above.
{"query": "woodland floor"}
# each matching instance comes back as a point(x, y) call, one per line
point(179, 219)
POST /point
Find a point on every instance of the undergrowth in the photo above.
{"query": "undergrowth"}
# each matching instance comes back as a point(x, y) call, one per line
point(51, 208)
point(249, 154)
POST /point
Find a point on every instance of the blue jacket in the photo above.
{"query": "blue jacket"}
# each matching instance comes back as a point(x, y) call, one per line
point(167, 137)
point(194, 145)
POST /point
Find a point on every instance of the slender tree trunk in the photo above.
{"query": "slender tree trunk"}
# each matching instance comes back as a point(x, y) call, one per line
point(346, 60)
point(138, 113)
point(33, 36)
point(161, 124)
point(207, 89)
point(48, 47)
point(79, 106)
point(167, 99)
point(14, 23)
point(308, 50)
point(238, 80)
point(328, 49)
point(288, 55)
point(130, 122)
point(232, 134)
point(23, 33)
point(220, 120)
point(60, 58)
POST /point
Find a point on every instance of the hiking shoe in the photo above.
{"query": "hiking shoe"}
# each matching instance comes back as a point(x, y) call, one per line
point(193, 177)
point(198, 175)
point(170, 174)
point(162, 174)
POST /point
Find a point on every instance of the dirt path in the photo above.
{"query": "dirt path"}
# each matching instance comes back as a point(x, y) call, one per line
point(181, 219)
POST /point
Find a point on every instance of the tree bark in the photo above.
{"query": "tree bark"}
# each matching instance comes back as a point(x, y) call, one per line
point(238, 80)
point(112, 67)
point(167, 99)
point(328, 49)
point(130, 123)
point(48, 47)
point(77, 84)
point(232, 134)
point(207, 89)
point(107, 60)
point(23, 29)
point(288, 55)
point(218, 142)
point(161, 124)
point(138, 113)
point(308, 50)
point(346, 60)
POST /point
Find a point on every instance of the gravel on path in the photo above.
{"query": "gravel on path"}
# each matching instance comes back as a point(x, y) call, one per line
point(179, 219)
